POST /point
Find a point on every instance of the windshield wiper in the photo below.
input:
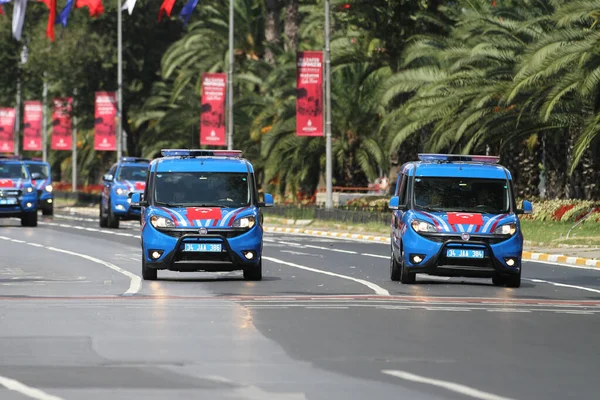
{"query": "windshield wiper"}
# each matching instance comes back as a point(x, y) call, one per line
point(426, 208)
point(160, 203)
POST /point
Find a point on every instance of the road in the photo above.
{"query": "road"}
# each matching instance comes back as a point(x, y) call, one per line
point(325, 323)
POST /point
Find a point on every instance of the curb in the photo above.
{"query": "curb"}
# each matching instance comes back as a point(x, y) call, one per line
point(527, 255)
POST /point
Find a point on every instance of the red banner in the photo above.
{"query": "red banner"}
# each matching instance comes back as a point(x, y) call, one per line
point(61, 124)
point(32, 126)
point(309, 93)
point(7, 130)
point(212, 116)
point(105, 133)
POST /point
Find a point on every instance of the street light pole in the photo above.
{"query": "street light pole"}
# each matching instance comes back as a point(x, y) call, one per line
point(328, 150)
point(44, 117)
point(230, 81)
point(74, 145)
point(119, 81)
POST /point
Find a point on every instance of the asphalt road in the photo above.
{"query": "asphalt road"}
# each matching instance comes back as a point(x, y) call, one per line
point(76, 322)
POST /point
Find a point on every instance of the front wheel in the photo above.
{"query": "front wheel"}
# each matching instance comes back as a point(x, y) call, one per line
point(149, 274)
point(253, 273)
point(395, 268)
point(48, 210)
point(113, 220)
point(103, 219)
point(29, 219)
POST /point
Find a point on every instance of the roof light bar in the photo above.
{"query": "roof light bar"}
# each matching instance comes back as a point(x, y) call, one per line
point(459, 157)
point(200, 153)
point(134, 159)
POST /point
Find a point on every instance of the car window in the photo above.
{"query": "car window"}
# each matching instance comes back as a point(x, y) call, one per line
point(462, 194)
point(41, 169)
point(217, 189)
point(13, 171)
point(133, 173)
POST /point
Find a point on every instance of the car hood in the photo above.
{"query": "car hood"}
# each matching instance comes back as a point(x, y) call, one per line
point(41, 184)
point(12, 183)
point(133, 186)
point(449, 222)
point(208, 217)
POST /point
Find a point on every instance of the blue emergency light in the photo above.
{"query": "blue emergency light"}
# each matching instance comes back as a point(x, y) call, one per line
point(134, 160)
point(459, 158)
point(200, 153)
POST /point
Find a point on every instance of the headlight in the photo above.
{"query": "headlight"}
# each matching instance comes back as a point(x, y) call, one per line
point(121, 192)
point(49, 188)
point(161, 222)
point(422, 226)
point(29, 189)
point(506, 229)
point(246, 222)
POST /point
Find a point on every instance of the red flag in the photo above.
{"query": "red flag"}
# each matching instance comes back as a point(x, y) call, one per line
point(194, 213)
point(51, 4)
point(212, 115)
point(465, 218)
point(165, 8)
point(309, 93)
point(95, 6)
point(1, 10)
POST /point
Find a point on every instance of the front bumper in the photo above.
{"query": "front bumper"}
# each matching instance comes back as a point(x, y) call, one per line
point(497, 249)
point(25, 205)
point(121, 207)
point(170, 242)
point(45, 199)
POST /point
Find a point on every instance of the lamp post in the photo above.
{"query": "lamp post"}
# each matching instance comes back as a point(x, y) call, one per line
point(328, 150)
point(230, 81)
point(119, 80)
point(44, 118)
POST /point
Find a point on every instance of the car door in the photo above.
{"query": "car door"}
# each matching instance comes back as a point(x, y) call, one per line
point(398, 216)
point(106, 188)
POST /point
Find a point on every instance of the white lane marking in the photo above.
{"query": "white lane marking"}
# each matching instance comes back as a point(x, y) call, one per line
point(25, 390)
point(561, 264)
point(115, 233)
point(299, 253)
point(333, 238)
point(375, 255)
point(330, 249)
point(454, 387)
point(135, 281)
point(564, 285)
point(376, 288)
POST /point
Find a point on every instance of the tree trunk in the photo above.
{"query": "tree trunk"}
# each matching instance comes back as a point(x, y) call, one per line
point(272, 28)
point(556, 164)
point(291, 25)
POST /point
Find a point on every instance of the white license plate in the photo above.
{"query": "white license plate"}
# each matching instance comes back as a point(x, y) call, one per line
point(203, 247)
point(9, 201)
point(459, 253)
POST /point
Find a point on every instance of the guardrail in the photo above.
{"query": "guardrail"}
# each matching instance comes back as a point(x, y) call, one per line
point(79, 198)
point(338, 214)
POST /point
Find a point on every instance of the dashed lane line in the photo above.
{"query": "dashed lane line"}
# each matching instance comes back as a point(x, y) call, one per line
point(450, 386)
point(587, 289)
point(376, 288)
point(16, 386)
point(135, 281)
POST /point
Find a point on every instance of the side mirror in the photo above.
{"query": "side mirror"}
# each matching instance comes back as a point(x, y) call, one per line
point(107, 178)
point(267, 201)
point(137, 200)
point(394, 203)
point(36, 176)
point(527, 208)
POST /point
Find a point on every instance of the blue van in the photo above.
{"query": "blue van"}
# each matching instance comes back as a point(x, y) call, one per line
point(456, 215)
point(201, 212)
point(124, 177)
point(43, 184)
point(18, 195)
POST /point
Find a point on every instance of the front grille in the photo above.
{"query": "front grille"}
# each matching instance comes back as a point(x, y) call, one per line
point(489, 239)
point(39, 192)
point(227, 233)
point(197, 256)
point(10, 193)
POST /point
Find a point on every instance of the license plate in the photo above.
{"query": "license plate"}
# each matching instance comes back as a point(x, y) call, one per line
point(459, 253)
point(202, 247)
point(8, 201)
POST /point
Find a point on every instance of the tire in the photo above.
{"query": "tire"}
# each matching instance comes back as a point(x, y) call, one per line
point(499, 280)
point(113, 220)
point(48, 210)
point(254, 273)
point(149, 274)
point(406, 277)
point(103, 219)
point(513, 281)
point(395, 268)
point(29, 219)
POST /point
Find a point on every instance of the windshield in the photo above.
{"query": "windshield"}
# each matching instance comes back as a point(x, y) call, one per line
point(41, 169)
point(133, 173)
point(464, 195)
point(216, 189)
point(13, 171)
